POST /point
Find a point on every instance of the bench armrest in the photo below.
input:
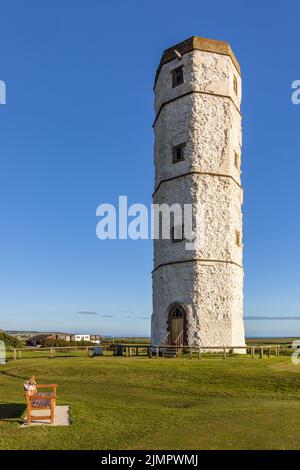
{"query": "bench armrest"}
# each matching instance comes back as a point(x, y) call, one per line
point(53, 386)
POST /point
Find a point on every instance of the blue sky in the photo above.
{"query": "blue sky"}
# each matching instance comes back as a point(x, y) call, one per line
point(76, 132)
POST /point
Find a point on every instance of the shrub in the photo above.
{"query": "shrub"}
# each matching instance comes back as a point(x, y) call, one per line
point(10, 341)
point(60, 343)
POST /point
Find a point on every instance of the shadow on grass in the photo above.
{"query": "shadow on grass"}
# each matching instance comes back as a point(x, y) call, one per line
point(12, 412)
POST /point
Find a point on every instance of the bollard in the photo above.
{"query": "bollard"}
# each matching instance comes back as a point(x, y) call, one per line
point(224, 353)
point(149, 352)
point(157, 351)
point(252, 352)
point(199, 353)
point(20, 354)
point(15, 354)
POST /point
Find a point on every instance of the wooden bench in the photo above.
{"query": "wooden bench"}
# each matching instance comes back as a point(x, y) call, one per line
point(41, 401)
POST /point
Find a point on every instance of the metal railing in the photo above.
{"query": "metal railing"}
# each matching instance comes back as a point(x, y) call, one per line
point(179, 340)
point(166, 339)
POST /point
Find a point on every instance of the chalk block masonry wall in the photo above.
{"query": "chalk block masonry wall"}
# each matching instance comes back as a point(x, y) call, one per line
point(203, 112)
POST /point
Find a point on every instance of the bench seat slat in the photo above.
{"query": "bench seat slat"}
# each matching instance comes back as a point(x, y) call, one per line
point(40, 403)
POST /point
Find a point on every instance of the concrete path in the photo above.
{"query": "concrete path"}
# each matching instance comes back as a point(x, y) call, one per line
point(61, 417)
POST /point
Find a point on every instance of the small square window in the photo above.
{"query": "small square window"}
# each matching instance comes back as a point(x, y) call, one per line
point(238, 238)
point(178, 153)
point(235, 85)
point(177, 76)
point(237, 160)
point(179, 238)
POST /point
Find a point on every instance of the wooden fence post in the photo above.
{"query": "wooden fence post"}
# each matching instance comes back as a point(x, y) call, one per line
point(149, 352)
point(269, 352)
point(252, 352)
point(191, 353)
point(261, 352)
point(15, 354)
point(199, 353)
point(20, 354)
point(224, 353)
point(52, 354)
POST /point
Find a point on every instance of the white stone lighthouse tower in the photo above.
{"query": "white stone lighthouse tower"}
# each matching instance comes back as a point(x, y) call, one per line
point(198, 294)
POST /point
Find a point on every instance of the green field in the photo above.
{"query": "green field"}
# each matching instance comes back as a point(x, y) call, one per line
point(140, 403)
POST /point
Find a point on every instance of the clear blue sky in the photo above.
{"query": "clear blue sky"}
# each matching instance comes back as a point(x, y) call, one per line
point(76, 132)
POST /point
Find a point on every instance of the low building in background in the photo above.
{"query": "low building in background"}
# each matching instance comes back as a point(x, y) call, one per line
point(37, 339)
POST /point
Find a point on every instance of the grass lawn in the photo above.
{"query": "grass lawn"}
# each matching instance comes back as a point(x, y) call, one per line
point(138, 403)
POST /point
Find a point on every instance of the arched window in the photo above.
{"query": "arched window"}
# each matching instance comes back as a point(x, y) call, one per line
point(177, 313)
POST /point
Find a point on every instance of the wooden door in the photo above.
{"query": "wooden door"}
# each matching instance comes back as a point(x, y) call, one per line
point(177, 324)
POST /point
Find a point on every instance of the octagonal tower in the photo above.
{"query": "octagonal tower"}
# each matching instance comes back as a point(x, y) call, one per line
point(198, 294)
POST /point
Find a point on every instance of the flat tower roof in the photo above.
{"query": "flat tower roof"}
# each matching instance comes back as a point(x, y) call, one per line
point(201, 44)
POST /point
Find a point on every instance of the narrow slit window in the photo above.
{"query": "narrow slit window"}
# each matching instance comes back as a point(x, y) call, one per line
point(238, 238)
point(237, 160)
point(177, 76)
point(235, 85)
point(178, 153)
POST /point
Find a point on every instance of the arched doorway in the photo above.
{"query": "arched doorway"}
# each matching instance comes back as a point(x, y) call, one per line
point(177, 325)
